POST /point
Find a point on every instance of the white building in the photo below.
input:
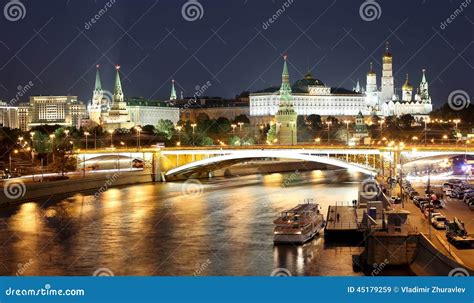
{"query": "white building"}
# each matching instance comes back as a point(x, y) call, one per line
point(8, 116)
point(312, 96)
point(54, 110)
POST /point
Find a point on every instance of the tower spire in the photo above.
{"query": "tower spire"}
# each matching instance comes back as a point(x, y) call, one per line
point(98, 84)
point(118, 93)
point(285, 89)
point(173, 91)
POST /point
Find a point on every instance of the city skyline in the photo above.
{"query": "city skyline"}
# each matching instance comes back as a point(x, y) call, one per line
point(249, 60)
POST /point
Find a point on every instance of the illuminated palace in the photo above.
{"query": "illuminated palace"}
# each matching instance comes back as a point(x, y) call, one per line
point(312, 96)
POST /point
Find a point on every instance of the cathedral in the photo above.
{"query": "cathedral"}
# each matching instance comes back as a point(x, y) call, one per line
point(312, 96)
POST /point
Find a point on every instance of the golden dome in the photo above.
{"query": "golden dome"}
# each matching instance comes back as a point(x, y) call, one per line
point(407, 86)
point(387, 55)
point(371, 72)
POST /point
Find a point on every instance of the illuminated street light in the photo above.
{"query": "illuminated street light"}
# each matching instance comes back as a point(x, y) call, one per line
point(233, 128)
point(139, 130)
point(347, 131)
point(193, 126)
point(111, 132)
point(329, 129)
point(179, 128)
point(86, 134)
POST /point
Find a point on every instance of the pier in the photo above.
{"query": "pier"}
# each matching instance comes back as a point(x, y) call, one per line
point(341, 219)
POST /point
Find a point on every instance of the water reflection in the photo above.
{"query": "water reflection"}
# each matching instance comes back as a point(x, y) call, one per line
point(153, 229)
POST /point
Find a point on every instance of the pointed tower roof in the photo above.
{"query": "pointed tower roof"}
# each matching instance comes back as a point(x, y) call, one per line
point(285, 89)
point(118, 83)
point(173, 91)
point(423, 78)
point(98, 84)
point(357, 88)
point(359, 115)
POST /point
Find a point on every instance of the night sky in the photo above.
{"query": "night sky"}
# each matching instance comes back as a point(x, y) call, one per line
point(229, 46)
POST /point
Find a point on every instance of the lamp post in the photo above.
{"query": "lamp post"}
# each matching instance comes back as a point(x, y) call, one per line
point(52, 136)
point(111, 132)
point(32, 134)
point(86, 134)
point(139, 130)
point(329, 129)
point(240, 126)
point(233, 128)
point(456, 122)
point(193, 126)
point(382, 121)
point(426, 120)
point(444, 138)
point(179, 128)
point(347, 131)
point(10, 160)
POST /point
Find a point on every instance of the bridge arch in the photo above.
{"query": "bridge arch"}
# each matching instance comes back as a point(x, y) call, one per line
point(221, 161)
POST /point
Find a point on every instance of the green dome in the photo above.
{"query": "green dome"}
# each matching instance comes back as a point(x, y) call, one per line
point(308, 80)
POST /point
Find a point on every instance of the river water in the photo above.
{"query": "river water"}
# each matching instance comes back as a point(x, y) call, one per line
point(221, 226)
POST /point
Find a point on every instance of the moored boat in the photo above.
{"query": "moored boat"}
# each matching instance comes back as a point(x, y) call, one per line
point(299, 224)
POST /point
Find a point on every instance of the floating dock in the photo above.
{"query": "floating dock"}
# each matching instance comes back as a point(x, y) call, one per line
point(341, 220)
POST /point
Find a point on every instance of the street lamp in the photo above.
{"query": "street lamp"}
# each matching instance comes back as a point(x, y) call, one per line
point(66, 132)
point(456, 122)
point(52, 136)
point(414, 139)
point(10, 159)
point(240, 126)
point(317, 140)
point(86, 134)
point(445, 137)
point(111, 132)
point(426, 120)
point(139, 130)
point(329, 128)
point(32, 134)
point(347, 131)
point(381, 127)
point(193, 126)
point(233, 128)
point(179, 128)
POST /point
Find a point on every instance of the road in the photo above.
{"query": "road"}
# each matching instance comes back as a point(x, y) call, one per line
point(454, 208)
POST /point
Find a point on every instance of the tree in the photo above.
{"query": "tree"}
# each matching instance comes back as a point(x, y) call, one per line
point(241, 118)
point(235, 141)
point(166, 128)
point(206, 141)
point(272, 133)
point(222, 125)
point(406, 121)
point(314, 122)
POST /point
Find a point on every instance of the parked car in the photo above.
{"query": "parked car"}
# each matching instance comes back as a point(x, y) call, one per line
point(439, 222)
point(413, 194)
point(438, 203)
point(3, 174)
